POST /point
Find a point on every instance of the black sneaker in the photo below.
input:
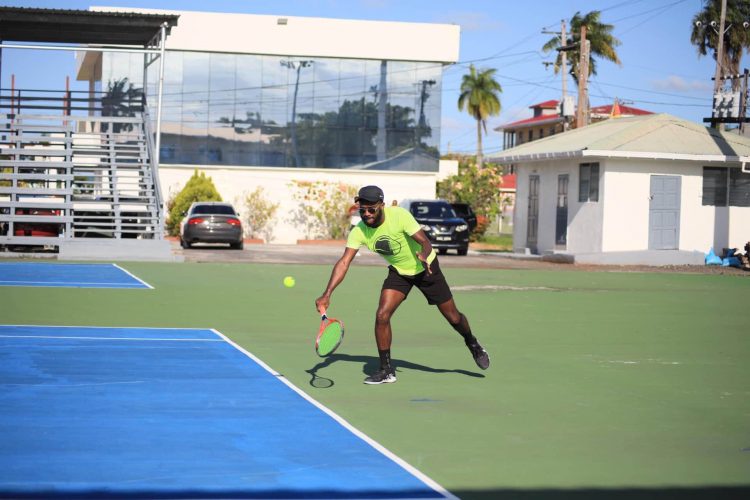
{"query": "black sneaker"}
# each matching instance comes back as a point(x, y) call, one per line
point(382, 376)
point(481, 357)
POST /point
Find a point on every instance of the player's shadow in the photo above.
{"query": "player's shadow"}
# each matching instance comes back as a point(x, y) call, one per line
point(372, 364)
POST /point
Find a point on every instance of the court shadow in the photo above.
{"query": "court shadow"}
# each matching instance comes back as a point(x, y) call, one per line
point(371, 364)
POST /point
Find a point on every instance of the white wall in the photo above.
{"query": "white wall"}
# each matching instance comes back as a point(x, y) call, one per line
point(584, 219)
point(309, 36)
point(234, 183)
point(626, 209)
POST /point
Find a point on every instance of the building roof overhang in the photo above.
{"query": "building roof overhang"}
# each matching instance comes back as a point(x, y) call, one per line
point(530, 122)
point(22, 24)
point(601, 154)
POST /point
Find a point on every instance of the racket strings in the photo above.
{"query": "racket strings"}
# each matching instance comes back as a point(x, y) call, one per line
point(330, 338)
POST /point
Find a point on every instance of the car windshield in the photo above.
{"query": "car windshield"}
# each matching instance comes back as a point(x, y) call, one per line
point(432, 210)
point(213, 209)
point(462, 210)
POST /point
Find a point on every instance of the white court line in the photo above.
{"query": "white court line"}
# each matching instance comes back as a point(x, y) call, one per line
point(382, 449)
point(73, 283)
point(116, 327)
point(103, 338)
point(132, 276)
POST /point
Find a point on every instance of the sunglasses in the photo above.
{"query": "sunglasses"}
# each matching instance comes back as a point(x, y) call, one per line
point(369, 210)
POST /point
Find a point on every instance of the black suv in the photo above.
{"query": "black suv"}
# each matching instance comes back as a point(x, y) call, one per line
point(439, 221)
point(464, 211)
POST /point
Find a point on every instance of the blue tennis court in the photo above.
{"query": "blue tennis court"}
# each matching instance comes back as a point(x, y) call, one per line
point(68, 275)
point(161, 413)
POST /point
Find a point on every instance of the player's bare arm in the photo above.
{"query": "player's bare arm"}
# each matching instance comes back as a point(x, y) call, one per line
point(337, 276)
point(422, 239)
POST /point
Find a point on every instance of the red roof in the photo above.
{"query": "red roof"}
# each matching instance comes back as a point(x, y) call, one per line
point(624, 110)
point(536, 120)
point(509, 182)
point(551, 104)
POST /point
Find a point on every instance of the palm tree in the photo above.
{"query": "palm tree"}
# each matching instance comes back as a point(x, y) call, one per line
point(121, 99)
point(736, 39)
point(480, 95)
point(599, 35)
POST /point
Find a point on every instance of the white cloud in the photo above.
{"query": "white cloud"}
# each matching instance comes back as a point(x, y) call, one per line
point(675, 83)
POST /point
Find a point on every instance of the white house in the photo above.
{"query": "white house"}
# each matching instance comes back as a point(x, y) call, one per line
point(651, 189)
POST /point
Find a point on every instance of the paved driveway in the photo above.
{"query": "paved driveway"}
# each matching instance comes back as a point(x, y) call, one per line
point(329, 254)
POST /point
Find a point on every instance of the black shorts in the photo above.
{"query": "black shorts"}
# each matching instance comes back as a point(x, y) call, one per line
point(433, 286)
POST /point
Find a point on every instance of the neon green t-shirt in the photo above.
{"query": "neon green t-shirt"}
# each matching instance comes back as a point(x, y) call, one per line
point(392, 240)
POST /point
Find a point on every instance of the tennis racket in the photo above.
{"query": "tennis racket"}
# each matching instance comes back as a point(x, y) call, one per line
point(330, 335)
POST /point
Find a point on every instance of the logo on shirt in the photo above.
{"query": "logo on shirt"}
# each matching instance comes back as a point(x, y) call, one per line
point(385, 245)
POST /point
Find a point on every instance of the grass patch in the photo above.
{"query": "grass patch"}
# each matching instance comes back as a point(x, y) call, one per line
point(494, 243)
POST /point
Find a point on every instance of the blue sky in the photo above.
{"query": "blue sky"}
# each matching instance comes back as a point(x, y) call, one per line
point(660, 70)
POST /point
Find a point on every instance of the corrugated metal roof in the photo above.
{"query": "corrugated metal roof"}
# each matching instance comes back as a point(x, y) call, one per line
point(656, 136)
point(29, 24)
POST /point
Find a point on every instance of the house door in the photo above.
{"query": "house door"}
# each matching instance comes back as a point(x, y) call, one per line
point(532, 227)
point(561, 223)
point(664, 213)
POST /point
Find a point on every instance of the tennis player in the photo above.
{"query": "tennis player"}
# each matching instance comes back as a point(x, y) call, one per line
point(396, 235)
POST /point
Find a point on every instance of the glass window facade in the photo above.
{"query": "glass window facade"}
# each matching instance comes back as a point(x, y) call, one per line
point(276, 111)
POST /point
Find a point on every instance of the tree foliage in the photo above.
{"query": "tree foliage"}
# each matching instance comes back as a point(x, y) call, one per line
point(479, 187)
point(121, 99)
point(198, 188)
point(260, 212)
point(603, 43)
point(324, 207)
point(736, 40)
point(346, 136)
point(480, 96)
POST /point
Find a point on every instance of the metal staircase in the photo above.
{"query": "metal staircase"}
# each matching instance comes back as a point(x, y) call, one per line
point(75, 178)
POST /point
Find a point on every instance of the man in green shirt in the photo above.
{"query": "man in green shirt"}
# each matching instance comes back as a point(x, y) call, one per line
point(396, 235)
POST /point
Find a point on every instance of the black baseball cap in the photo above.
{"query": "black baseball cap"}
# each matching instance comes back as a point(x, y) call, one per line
point(373, 194)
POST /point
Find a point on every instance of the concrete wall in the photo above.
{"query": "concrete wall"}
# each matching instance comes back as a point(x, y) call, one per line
point(701, 227)
point(309, 36)
point(235, 183)
point(584, 219)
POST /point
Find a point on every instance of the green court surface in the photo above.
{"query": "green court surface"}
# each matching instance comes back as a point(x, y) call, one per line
point(602, 384)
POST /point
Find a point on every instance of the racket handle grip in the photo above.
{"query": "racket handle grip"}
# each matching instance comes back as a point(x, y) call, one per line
point(323, 316)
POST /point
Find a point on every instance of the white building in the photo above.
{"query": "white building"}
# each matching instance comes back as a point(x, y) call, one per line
point(261, 101)
point(628, 189)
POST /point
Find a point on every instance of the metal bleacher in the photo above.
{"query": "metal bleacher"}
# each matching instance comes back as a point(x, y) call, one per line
point(68, 178)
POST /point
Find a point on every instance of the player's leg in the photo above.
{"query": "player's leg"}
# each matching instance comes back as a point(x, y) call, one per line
point(390, 299)
point(460, 323)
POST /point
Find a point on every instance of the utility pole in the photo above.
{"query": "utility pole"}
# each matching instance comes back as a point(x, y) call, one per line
point(422, 124)
point(295, 65)
point(564, 60)
point(718, 82)
point(381, 137)
point(562, 34)
point(583, 74)
point(564, 71)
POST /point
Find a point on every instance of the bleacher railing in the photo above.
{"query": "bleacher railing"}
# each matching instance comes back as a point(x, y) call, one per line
point(76, 166)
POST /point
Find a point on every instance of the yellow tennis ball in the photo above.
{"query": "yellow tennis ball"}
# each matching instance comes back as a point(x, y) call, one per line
point(289, 282)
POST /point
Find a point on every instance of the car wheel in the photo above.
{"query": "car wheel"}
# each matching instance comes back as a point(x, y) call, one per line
point(463, 250)
point(238, 246)
point(442, 251)
point(184, 244)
